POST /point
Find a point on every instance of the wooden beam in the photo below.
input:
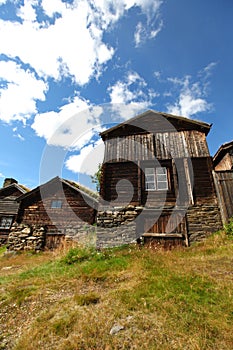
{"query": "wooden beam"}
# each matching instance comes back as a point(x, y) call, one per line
point(163, 235)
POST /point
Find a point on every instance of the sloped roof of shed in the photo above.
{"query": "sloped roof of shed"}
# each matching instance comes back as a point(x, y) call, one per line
point(17, 186)
point(75, 186)
point(223, 149)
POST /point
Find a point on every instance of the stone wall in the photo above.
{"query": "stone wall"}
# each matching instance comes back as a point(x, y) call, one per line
point(24, 237)
point(116, 226)
point(203, 220)
point(35, 237)
point(84, 234)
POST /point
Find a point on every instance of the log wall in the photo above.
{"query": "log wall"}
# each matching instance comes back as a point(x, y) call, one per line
point(73, 220)
point(164, 145)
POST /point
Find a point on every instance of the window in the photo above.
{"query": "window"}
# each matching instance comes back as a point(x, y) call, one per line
point(150, 179)
point(6, 222)
point(56, 204)
point(156, 179)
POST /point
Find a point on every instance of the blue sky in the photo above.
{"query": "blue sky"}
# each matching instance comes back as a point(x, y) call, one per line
point(68, 68)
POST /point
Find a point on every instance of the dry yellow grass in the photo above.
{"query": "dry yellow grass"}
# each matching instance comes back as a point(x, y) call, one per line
point(179, 299)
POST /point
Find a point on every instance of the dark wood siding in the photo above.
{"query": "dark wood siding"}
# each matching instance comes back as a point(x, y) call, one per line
point(146, 146)
point(224, 187)
point(35, 211)
point(204, 189)
point(166, 224)
point(119, 183)
point(169, 228)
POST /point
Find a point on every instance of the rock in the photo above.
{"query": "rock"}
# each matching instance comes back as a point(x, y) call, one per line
point(115, 329)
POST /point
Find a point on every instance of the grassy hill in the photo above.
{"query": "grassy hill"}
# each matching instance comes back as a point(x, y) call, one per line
point(73, 299)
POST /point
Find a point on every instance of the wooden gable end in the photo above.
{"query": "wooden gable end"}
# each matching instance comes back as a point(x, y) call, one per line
point(223, 159)
point(163, 145)
point(57, 204)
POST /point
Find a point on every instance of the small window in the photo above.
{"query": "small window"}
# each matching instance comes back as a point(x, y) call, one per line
point(56, 204)
point(6, 222)
point(156, 179)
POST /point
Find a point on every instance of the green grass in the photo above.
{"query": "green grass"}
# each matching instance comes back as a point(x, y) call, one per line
point(2, 250)
point(179, 299)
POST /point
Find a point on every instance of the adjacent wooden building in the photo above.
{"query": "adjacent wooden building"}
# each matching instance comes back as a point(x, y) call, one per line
point(61, 208)
point(160, 163)
point(10, 191)
point(223, 175)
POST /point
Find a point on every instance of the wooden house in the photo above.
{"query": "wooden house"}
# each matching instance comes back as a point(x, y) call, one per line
point(159, 166)
point(61, 208)
point(10, 191)
point(223, 175)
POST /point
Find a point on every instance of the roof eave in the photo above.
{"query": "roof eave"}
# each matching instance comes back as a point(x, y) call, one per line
point(205, 126)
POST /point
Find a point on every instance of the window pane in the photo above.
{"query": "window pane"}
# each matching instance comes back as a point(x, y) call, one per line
point(56, 204)
point(162, 185)
point(150, 186)
point(162, 177)
point(150, 178)
point(161, 171)
point(149, 171)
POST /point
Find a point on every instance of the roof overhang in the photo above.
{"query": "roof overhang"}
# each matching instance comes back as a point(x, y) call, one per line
point(204, 127)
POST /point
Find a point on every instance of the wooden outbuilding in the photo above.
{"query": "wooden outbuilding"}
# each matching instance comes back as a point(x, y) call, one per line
point(158, 166)
point(223, 175)
point(10, 191)
point(60, 208)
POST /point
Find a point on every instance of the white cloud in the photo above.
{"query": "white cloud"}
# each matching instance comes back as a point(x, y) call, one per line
point(71, 127)
point(88, 160)
point(74, 40)
point(27, 12)
point(19, 92)
point(70, 43)
point(19, 137)
point(1, 175)
point(191, 98)
point(131, 95)
point(142, 33)
point(46, 47)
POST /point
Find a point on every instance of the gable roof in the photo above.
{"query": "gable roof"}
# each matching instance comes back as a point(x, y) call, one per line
point(223, 149)
point(196, 124)
point(91, 195)
point(7, 189)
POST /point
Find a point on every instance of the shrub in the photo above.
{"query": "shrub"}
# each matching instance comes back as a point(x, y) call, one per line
point(78, 254)
point(229, 228)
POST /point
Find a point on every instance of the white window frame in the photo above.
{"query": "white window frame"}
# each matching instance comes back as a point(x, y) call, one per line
point(6, 222)
point(154, 177)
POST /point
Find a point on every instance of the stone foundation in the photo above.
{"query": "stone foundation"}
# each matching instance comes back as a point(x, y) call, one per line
point(24, 237)
point(35, 238)
point(116, 226)
point(203, 220)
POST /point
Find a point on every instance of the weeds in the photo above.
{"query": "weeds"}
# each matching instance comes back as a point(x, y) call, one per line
point(229, 228)
point(179, 299)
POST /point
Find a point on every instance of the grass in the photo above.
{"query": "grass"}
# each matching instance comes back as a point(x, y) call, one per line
point(71, 299)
